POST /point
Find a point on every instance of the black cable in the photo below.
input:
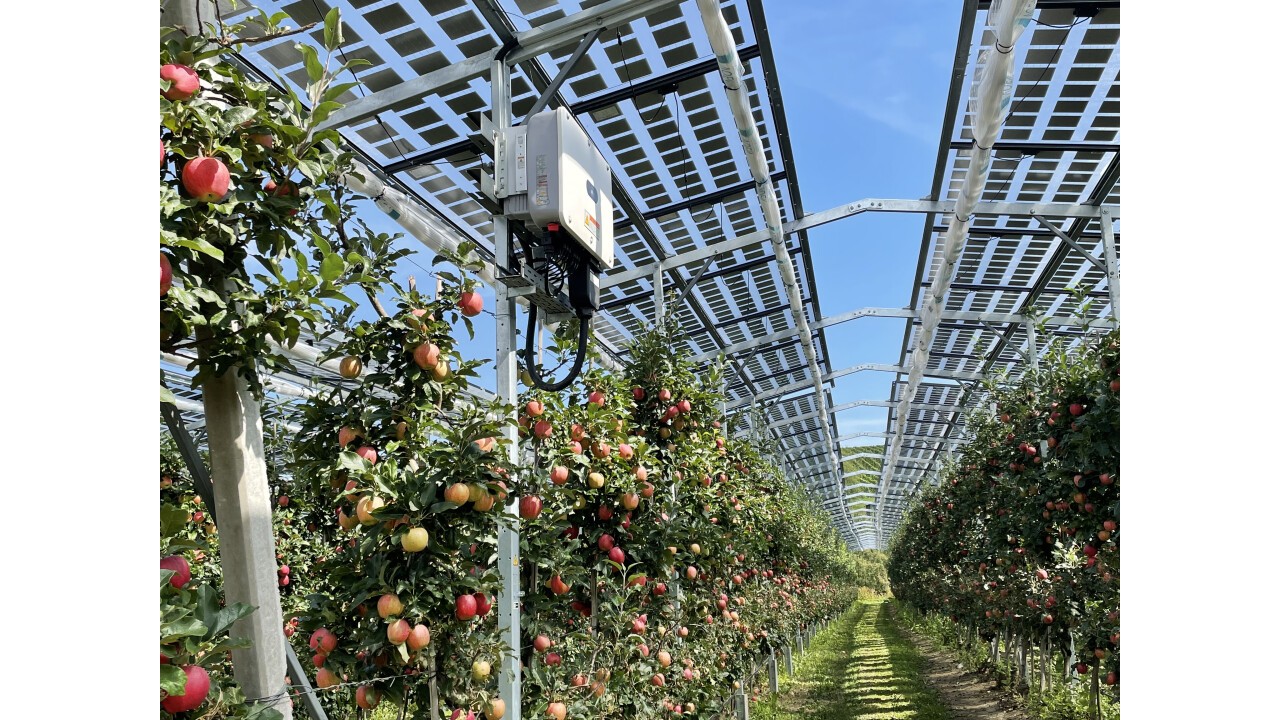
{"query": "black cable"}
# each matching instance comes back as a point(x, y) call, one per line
point(584, 334)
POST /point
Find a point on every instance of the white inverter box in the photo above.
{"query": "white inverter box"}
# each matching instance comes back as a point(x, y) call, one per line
point(555, 174)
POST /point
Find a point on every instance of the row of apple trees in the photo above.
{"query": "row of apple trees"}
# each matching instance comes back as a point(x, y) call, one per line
point(660, 558)
point(1022, 535)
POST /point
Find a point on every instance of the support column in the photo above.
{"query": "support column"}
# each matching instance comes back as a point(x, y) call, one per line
point(508, 537)
point(659, 300)
point(786, 657)
point(741, 710)
point(246, 539)
point(1033, 348)
point(773, 671)
point(1113, 265)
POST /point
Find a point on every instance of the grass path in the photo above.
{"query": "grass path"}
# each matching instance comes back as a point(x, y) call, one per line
point(861, 667)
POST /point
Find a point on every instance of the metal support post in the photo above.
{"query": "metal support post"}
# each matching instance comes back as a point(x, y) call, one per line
point(1033, 348)
point(1113, 265)
point(741, 710)
point(508, 534)
point(659, 301)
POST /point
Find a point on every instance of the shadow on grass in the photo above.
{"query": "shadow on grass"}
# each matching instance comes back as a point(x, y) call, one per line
point(860, 668)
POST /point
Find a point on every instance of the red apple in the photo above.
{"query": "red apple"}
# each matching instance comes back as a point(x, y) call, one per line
point(1076, 409)
point(542, 429)
point(471, 303)
point(557, 586)
point(556, 710)
point(419, 637)
point(637, 392)
point(323, 641)
point(664, 395)
point(368, 453)
point(398, 632)
point(616, 555)
point(605, 542)
point(197, 689)
point(388, 605)
point(541, 643)
point(464, 608)
point(483, 606)
point(346, 435)
point(534, 408)
point(181, 570)
point(530, 507)
point(625, 451)
point(206, 178)
point(368, 697)
point(595, 397)
point(426, 355)
point(552, 659)
point(559, 475)
point(183, 81)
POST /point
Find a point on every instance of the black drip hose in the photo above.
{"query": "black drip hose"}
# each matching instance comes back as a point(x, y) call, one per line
point(584, 334)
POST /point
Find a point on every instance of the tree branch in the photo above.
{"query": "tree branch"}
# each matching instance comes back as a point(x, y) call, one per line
point(227, 41)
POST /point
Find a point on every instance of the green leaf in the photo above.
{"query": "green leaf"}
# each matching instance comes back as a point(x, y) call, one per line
point(172, 519)
point(178, 629)
point(217, 619)
point(321, 112)
point(237, 116)
point(331, 267)
point(352, 461)
point(312, 169)
point(332, 30)
point(173, 680)
point(166, 396)
point(315, 70)
point(335, 295)
point(199, 245)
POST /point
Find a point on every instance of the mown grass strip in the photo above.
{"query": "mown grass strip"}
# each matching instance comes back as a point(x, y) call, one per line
point(860, 668)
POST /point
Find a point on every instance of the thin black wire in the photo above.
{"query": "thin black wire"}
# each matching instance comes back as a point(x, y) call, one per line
point(1040, 79)
point(1038, 21)
point(623, 52)
point(654, 116)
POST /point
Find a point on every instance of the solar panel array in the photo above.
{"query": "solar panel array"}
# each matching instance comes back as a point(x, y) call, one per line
point(647, 92)
point(1060, 144)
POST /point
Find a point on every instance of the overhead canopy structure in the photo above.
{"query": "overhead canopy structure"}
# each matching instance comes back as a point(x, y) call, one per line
point(643, 80)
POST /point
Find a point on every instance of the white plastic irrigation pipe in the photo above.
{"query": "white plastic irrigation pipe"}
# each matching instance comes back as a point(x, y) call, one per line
point(731, 72)
point(404, 210)
point(989, 103)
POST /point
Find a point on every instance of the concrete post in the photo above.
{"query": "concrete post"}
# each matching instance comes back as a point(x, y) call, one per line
point(786, 655)
point(741, 710)
point(246, 539)
point(773, 671)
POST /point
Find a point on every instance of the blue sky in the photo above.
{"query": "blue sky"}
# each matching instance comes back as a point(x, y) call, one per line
point(864, 86)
